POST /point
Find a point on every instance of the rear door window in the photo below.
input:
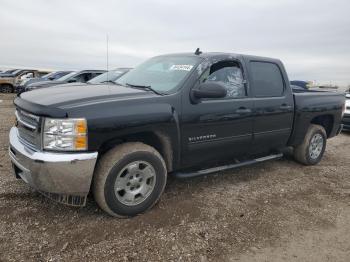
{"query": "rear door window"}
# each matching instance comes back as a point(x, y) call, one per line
point(267, 80)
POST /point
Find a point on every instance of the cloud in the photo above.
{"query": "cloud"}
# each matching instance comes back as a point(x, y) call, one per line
point(311, 37)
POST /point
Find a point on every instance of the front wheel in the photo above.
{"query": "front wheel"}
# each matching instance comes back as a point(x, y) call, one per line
point(311, 151)
point(6, 89)
point(129, 179)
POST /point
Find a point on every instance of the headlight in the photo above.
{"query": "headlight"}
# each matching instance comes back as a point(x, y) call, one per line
point(65, 134)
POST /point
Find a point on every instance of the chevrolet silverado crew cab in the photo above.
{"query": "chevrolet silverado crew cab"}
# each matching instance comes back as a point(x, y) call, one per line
point(181, 115)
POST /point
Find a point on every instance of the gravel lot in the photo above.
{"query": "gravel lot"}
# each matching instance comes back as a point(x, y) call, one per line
point(274, 211)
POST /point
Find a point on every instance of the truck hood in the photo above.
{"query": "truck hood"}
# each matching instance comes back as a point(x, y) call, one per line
point(46, 83)
point(6, 78)
point(31, 81)
point(66, 96)
point(72, 84)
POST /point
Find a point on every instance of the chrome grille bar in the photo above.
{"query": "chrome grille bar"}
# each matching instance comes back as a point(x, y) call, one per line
point(28, 128)
point(19, 119)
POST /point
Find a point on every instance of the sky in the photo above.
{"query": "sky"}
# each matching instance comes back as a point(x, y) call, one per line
point(311, 37)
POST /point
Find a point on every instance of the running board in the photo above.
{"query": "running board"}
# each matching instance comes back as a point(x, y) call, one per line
point(226, 167)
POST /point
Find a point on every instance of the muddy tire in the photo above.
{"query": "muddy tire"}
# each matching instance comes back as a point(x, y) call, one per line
point(311, 151)
point(129, 179)
point(6, 89)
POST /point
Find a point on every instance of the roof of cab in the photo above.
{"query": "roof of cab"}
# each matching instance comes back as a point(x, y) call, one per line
point(92, 70)
point(218, 55)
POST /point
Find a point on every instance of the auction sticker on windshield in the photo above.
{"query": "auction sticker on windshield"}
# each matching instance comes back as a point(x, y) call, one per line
point(181, 67)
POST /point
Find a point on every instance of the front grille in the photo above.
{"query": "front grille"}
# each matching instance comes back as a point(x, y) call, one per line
point(29, 126)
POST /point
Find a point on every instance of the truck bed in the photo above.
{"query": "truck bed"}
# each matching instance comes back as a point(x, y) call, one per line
point(310, 104)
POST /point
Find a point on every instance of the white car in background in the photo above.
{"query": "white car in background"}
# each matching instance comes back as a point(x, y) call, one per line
point(346, 118)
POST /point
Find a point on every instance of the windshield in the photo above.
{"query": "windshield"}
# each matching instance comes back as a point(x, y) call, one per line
point(108, 76)
point(64, 78)
point(162, 73)
point(48, 75)
point(9, 71)
point(16, 71)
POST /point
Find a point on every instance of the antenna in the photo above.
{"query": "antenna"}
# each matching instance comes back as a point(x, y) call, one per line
point(107, 59)
point(197, 52)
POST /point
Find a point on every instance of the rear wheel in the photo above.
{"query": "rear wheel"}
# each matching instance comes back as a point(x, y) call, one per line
point(311, 151)
point(129, 179)
point(6, 89)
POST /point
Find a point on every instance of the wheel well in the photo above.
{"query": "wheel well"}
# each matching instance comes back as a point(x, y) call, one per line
point(326, 121)
point(157, 140)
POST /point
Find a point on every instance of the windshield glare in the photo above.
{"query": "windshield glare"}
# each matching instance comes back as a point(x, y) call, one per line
point(108, 76)
point(162, 73)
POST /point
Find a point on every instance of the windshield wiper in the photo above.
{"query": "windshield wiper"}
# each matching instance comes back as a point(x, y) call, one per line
point(145, 87)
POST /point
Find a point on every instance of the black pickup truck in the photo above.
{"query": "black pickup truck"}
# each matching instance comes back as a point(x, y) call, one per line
point(180, 115)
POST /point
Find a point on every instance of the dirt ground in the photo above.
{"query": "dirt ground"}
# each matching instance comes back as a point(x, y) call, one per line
point(273, 211)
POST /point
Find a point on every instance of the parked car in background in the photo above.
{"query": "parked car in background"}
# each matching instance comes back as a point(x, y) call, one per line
point(346, 117)
point(13, 72)
point(9, 81)
point(302, 84)
point(74, 77)
point(109, 76)
point(48, 77)
point(29, 76)
point(297, 88)
point(184, 115)
point(7, 72)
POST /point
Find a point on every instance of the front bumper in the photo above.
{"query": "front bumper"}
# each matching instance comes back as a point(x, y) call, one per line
point(64, 177)
point(346, 122)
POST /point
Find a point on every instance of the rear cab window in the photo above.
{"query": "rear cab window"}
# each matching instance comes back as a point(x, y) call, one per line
point(266, 79)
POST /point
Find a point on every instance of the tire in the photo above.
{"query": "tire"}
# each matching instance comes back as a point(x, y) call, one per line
point(6, 89)
point(307, 153)
point(125, 172)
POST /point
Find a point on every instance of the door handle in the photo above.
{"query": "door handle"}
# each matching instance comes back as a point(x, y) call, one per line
point(243, 110)
point(285, 107)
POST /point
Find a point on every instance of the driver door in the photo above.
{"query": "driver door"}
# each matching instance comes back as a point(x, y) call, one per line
point(216, 129)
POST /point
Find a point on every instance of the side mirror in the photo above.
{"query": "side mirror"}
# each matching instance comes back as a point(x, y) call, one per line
point(72, 80)
point(209, 90)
